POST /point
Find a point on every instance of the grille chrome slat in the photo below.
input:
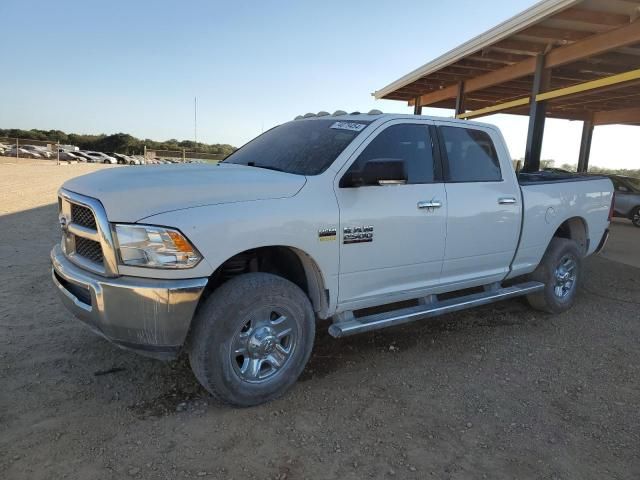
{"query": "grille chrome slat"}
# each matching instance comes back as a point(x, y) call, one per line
point(87, 239)
point(84, 232)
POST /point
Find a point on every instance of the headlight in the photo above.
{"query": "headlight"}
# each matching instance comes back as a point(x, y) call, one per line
point(156, 247)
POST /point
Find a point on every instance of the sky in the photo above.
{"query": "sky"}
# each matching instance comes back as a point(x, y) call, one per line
point(88, 66)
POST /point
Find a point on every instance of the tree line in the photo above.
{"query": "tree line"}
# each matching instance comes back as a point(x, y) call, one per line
point(118, 142)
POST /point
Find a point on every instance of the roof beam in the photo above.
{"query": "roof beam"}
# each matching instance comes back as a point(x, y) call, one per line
point(549, 33)
point(502, 107)
point(594, 17)
point(497, 57)
point(593, 45)
point(614, 80)
point(592, 85)
point(519, 46)
point(624, 115)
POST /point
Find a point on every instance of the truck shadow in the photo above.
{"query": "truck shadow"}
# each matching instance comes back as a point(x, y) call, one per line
point(182, 392)
point(330, 354)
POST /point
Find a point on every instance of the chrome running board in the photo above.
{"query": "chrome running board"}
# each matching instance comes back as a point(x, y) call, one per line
point(352, 325)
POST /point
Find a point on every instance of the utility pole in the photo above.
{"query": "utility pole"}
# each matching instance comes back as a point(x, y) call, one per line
point(195, 122)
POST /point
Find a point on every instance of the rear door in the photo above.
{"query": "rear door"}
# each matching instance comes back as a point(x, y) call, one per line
point(484, 205)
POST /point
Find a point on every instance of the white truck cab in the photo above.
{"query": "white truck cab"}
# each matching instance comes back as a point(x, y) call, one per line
point(326, 216)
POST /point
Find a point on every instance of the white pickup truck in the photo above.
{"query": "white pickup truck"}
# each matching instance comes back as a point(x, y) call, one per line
point(369, 220)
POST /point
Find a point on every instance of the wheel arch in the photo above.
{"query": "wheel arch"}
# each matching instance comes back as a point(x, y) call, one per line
point(285, 261)
point(576, 229)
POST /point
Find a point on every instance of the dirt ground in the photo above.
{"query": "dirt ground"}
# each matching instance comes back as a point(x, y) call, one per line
point(500, 392)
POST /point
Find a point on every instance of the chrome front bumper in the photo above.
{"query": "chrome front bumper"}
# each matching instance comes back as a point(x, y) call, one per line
point(150, 316)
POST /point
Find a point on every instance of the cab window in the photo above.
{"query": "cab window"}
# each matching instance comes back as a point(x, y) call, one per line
point(408, 142)
point(471, 155)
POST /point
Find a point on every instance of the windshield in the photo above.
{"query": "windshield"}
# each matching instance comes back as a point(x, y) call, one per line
point(303, 147)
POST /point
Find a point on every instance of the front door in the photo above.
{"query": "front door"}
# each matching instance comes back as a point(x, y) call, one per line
point(392, 235)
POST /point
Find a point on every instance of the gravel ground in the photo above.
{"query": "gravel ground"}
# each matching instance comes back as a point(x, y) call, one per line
point(497, 392)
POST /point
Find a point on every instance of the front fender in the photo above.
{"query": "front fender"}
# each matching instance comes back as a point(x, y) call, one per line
point(221, 231)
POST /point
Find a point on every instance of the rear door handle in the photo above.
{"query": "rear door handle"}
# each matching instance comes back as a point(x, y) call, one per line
point(430, 204)
point(506, 201)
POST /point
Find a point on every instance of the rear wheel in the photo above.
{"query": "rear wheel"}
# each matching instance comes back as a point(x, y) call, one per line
point(635, 216)
point(252, 338)
point(560, 271)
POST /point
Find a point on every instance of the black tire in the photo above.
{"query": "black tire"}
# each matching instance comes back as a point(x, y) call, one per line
point(222, 320)
point(553, 298)
point(635, 217)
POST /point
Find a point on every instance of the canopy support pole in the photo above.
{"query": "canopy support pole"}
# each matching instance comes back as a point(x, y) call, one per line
point(537, 115)
point(585, 146)
point(460, 100)
point(417, 108)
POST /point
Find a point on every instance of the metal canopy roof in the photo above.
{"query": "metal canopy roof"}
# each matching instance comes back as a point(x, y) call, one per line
point(591, 52)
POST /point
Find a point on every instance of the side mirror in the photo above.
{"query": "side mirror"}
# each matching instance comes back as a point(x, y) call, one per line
point(379, 171)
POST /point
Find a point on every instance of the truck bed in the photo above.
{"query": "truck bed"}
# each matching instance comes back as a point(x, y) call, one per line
point(547, 204)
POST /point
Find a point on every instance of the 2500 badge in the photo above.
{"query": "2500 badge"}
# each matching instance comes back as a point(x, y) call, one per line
point(361, 234)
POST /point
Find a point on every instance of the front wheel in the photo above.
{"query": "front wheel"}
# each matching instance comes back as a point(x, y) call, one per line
point(635, 217)
point(560, 271)
point(252, 338)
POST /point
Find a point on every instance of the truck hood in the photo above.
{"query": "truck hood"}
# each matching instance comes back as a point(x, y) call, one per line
point(130, 194)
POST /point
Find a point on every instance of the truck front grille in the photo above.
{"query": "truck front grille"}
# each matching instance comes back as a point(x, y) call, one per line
point(89, 249)
point(83, 216)
point(86, 235)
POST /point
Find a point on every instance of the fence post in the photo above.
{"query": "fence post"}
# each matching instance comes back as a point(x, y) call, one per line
point(17, 148)
point(58, 153)
point(183, 156)
point(145, 154)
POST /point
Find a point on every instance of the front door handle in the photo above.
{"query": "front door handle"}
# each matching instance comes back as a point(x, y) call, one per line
point(430, 204)
point(506, 201)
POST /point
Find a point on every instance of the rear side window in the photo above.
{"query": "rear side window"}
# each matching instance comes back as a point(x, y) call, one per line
point(471, 155)
point(408, 142)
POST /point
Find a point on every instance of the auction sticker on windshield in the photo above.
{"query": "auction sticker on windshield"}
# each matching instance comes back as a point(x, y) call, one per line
point(356, 127)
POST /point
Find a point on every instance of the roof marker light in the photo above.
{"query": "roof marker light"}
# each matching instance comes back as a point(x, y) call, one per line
point(374, 112)
point(338, 113)
point(322, 113)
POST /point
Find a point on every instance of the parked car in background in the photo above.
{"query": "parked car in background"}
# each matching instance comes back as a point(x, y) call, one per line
point(120, 158)
point(99, 157)
point(627, 198)
point(71, 156)
point(42, 151)
point(22, 153)
point(86, 157)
